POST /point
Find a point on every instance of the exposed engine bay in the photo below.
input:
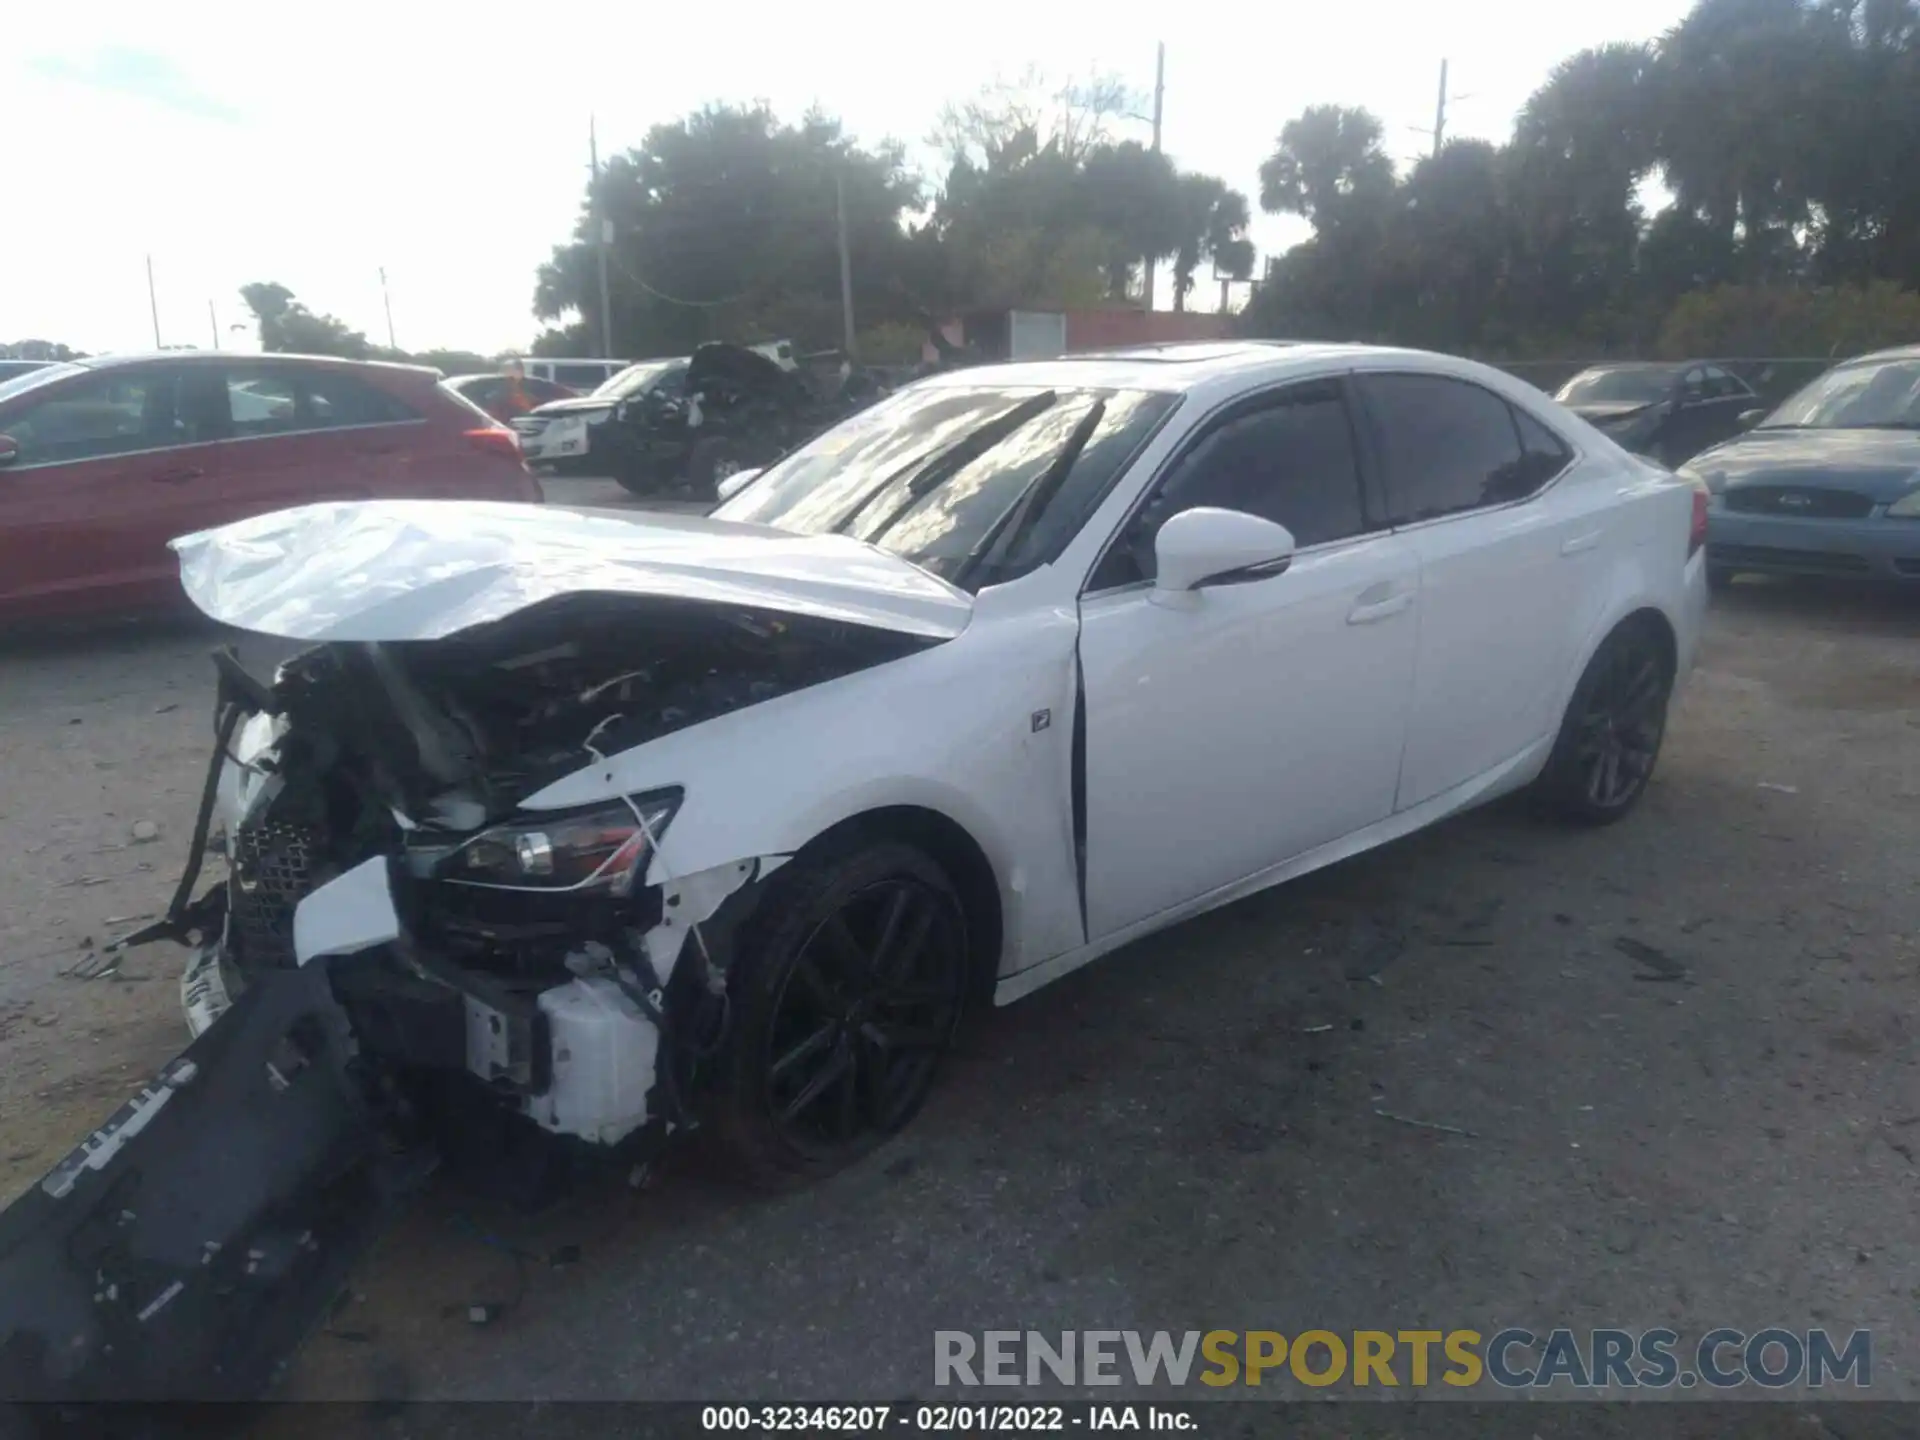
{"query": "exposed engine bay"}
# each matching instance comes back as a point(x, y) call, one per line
point(403, 965)
point(531, 951)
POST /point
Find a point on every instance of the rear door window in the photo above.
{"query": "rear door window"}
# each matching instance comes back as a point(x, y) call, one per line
point(270, 401)
point(1449, 446)
point(114, 412)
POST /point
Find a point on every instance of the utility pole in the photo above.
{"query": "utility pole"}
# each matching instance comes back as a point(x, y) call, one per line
point(603, 228)
point(1159, 98)
point(214, 321)
point(153, 304)
point(387, 301)
point(1440, 114)
point(846, 263)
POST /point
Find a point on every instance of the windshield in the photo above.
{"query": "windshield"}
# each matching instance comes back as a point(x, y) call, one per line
point(33, 379)
point(859, 475)
point(1640, 385)
point(635, 378)
point(1882, 395)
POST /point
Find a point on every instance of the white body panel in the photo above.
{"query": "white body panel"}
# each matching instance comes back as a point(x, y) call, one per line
point(1208, 721)
point(1250, 734)
point(381, 570)
point(603, 1063)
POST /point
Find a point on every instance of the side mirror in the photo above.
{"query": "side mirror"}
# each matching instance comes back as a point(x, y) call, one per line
point(9, 450)
point(734, 483)
point(1751, 418)
point(1205, 545)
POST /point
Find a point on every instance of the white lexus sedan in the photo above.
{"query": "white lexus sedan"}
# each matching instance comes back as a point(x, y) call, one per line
point(609, 824)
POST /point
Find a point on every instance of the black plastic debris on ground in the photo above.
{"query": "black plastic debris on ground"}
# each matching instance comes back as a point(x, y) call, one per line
point(186, 1248)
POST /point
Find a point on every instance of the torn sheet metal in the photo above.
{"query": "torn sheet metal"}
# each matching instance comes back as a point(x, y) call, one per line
point(383, 570)
point(185, 1248)
point(348, 914)
point(691, 900)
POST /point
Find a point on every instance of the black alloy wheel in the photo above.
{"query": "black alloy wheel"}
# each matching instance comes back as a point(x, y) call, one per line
point(862, 1016)
point(846, 992)
point(1611, 736)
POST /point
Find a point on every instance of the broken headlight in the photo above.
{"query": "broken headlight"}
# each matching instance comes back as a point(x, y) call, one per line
point(602, 851)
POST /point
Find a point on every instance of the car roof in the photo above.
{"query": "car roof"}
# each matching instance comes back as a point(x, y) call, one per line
point(215, 357)
point(1898, 352)
point(1201, 365)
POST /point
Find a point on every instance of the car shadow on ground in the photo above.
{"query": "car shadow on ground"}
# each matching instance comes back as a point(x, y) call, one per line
point(1889, 609)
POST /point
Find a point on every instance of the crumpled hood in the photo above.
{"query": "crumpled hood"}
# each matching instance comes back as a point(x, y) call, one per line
point(718, 362)
point(1612, 411)
point(579, 405)
point(1882, 463)
point(387, 570)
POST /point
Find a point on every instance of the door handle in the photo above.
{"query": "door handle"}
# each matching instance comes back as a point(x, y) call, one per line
point(1369, 612)
point(1579, 543)
point(177, 477)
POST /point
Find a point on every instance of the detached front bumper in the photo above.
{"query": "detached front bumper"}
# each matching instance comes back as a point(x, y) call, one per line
point(187, 1246)
point(1870, 549)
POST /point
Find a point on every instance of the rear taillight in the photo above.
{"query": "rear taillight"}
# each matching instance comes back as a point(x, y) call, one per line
point(498, 440)
point(1697, 532)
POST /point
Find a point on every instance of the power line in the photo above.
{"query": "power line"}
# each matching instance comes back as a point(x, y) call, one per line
point(675, 299)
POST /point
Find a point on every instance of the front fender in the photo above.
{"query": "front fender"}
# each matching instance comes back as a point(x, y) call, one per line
point(978, 730)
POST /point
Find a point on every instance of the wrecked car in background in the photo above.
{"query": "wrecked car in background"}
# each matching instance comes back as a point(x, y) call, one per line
point(570, 831)
point(586, 433)
point(736, 408)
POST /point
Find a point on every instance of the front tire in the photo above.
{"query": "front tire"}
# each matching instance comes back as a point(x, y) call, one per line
point(1610, 737)
point(712, 460)
point(848, 988)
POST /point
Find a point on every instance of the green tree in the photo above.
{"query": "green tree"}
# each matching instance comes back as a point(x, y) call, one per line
point(1330, 168)
point(1212, 227)
point(1581, 146)
point(725, 227)
point(288, 327)
point(40, 350)
point(1132, 196)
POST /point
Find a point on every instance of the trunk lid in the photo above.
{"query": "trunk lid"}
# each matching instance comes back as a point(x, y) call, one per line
point(388, 570)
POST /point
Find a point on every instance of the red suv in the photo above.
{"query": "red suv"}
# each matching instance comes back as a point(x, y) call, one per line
point(104, 461)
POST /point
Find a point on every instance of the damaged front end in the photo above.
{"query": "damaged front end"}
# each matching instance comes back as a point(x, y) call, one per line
point(539, 964)
point(402, 965)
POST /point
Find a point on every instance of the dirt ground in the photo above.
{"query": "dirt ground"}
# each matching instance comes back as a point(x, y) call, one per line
point(1675, 1062)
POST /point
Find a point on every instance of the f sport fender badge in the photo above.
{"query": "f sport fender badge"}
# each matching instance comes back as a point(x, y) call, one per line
point(1042, 719)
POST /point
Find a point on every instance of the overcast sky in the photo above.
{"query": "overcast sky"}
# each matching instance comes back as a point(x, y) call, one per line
point(236, 144)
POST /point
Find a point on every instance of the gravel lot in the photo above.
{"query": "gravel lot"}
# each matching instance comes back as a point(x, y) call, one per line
point(1683, 1051)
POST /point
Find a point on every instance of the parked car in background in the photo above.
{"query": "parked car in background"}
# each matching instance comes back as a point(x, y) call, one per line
point(492, 393)
point(1666, 412)
point(1828, 484)
point(573, 434)
point(579, 376)
point(103, 461)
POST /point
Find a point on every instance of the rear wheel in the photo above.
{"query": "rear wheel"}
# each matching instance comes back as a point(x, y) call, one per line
point(845, 996)
point(638, 477)
point(1610, 737)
